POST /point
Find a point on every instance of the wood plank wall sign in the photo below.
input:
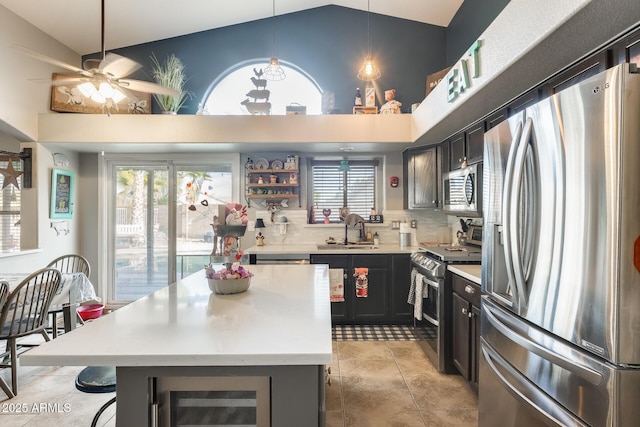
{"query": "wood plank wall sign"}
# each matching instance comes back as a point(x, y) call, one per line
point(67, 98)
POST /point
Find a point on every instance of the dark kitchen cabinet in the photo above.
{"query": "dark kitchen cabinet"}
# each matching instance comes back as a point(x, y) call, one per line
point(495, 118)
point(627, 49)
point(401, 310)
point(466, 147)
point(421, 176)
point(388, 288)
point(359, 310)
point(373, 308)
point(475, 143)
point(525, 100)
point(340, 311)
point(575, 74)
point(457, 150)
point(465, 342)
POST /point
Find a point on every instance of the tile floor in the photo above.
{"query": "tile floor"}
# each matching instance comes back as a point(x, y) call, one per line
point(394, 383)
point(373, 383)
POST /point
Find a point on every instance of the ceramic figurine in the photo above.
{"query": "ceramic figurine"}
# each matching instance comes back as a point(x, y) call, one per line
point(391, 106)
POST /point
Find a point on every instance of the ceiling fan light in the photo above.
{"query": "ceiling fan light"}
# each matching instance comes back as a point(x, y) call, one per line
point(97, 97)
point(118, 95)
point(106, 90)
point(87, 89)
point(274, 71)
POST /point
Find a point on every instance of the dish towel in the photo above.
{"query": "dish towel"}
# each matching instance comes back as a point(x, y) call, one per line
point(362, 282)
point(417, 288)
point(336, 284)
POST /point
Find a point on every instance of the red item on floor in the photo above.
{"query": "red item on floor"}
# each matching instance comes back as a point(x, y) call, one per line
point(91, 311)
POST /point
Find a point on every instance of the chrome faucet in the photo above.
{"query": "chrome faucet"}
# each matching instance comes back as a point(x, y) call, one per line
point(353, 220)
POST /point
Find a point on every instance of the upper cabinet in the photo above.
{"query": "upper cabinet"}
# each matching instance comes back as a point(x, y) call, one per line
point(457, 151)
point(421, 176)
point(465, 147)
point(575, 74)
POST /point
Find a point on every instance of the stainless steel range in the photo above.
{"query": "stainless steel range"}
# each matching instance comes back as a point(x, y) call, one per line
point(430, 265)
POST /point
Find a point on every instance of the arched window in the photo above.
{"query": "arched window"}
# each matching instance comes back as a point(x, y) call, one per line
point(245, 85)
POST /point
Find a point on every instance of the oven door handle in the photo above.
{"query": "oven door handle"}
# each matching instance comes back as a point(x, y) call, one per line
point(432, 283)
point(427, 281)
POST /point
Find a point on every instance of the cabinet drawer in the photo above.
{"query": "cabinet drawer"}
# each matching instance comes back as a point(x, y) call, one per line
point(466, 289)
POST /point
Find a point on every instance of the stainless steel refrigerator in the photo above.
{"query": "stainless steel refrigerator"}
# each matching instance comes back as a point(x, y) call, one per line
point(560, 326)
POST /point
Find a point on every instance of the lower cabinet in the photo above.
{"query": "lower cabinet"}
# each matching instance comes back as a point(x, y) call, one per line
point(465, 344)
point(388, 285)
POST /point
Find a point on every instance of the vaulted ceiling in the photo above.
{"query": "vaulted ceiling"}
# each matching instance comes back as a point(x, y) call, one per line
point(76, 23)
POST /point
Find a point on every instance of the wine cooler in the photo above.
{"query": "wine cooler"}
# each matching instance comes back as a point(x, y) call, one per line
point(215, 400)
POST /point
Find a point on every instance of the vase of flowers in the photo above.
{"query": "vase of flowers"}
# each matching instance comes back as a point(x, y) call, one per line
point(233, 279)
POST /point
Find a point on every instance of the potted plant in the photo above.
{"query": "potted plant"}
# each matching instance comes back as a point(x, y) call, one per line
point(172, 75)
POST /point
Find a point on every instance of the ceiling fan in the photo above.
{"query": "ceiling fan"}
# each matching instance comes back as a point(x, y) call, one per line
point(103, 79)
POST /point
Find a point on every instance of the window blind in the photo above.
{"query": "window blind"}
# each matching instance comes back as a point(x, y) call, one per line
point(10, 211)
point(334, 188)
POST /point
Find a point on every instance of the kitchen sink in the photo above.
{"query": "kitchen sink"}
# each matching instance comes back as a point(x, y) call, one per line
point(339, 246)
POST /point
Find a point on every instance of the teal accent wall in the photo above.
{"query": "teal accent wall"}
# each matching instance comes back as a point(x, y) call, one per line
point(329, 43)
point(473, 17)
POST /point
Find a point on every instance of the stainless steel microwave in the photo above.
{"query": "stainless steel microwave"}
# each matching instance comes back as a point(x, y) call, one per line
point(462, 190)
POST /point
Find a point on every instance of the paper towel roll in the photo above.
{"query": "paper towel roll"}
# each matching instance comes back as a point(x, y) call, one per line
point(405, 228)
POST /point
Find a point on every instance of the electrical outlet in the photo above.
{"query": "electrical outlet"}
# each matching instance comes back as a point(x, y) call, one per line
point(414, 223)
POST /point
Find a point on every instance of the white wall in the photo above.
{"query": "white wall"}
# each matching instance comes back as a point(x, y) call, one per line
point(38, 236)
point(24, 80)
point(23, 95)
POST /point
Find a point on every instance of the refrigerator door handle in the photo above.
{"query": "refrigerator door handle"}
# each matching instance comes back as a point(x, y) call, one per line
point(506, 194)
point(588, 374)
point(513, 224)
point(526, 392)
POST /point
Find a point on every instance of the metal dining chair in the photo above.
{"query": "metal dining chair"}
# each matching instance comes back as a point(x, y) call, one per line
point(24, 313)
point(66, 264)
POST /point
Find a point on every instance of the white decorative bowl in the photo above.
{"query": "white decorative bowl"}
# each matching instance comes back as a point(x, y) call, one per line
point(229, 286)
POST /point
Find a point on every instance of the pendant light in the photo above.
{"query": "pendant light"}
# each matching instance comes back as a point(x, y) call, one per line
point(368, 71)
point(274, 71)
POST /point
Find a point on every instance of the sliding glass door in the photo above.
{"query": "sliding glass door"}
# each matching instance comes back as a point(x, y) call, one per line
point(200, 190)
point(160, 216)
point(141, 244)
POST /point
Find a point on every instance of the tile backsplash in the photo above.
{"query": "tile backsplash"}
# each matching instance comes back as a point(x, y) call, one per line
point(431, 227)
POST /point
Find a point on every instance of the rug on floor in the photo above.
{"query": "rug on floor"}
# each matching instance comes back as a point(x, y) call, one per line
point(382, 333)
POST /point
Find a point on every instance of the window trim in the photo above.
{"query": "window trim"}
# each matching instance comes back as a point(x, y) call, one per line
point(353, 161)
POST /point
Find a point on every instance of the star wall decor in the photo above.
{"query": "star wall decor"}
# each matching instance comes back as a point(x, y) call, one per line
point(10, 175)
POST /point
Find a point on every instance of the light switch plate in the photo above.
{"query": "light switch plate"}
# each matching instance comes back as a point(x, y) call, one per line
point(414, 223)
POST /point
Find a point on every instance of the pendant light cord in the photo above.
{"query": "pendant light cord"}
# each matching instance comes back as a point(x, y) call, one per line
point(102, 29)
point(368, 27)
point(273, 30)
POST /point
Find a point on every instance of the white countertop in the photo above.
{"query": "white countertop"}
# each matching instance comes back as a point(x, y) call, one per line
point(312, 248)
point(283, 319)
point(471, 272)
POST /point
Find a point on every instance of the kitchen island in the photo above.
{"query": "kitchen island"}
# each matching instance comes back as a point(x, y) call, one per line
point(278, 332)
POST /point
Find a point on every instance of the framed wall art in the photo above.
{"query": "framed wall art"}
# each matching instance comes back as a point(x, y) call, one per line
point(62, 190)
point(67, 98)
